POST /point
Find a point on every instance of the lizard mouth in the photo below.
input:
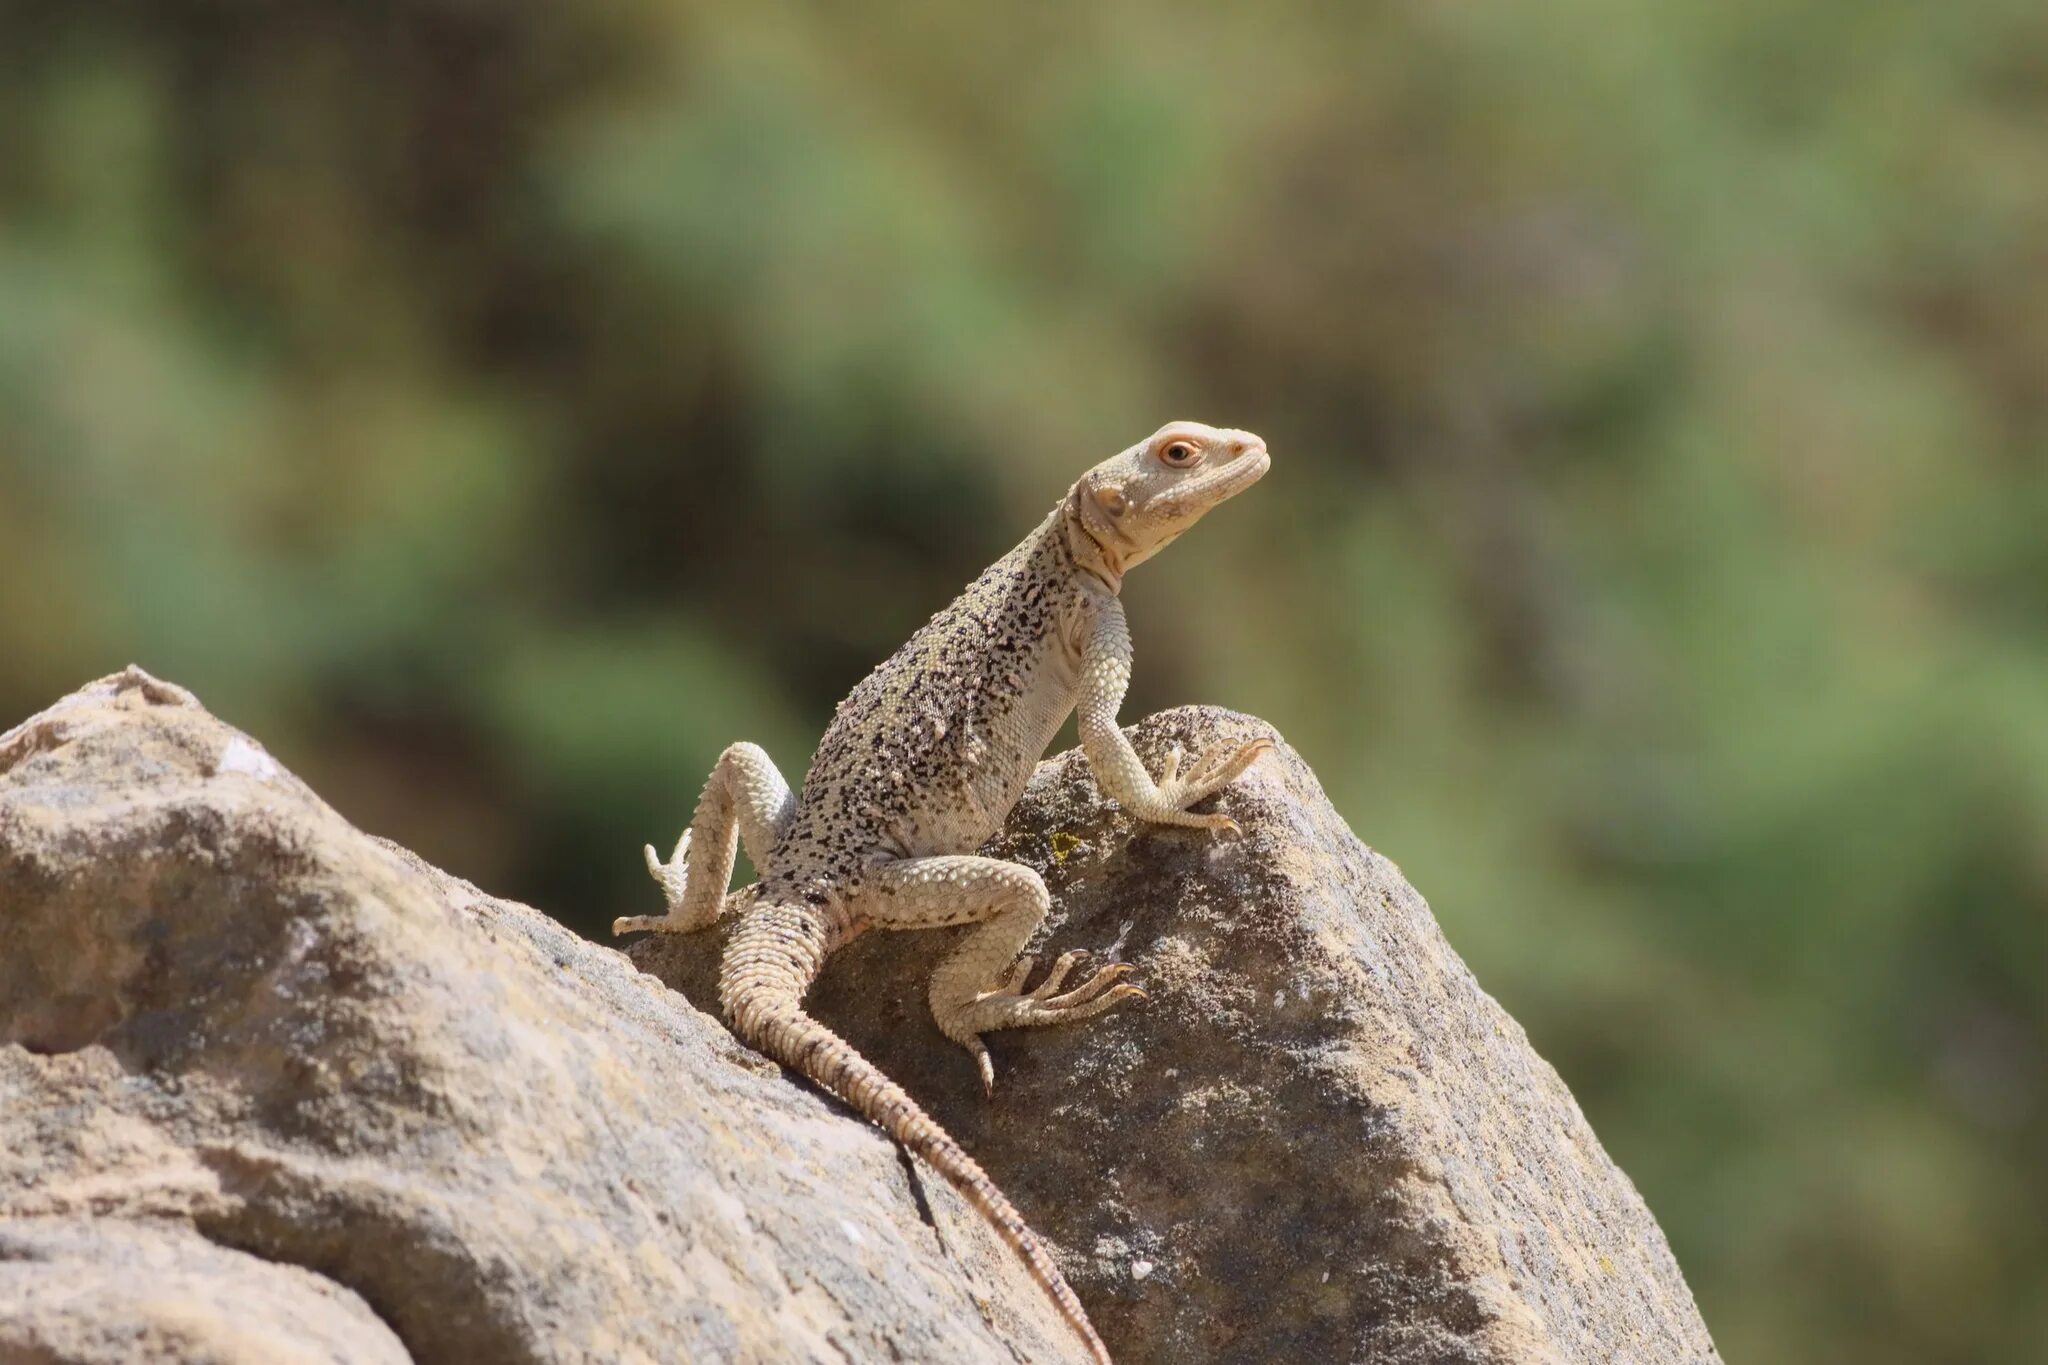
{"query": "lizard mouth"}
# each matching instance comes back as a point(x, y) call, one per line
point(1222, 481)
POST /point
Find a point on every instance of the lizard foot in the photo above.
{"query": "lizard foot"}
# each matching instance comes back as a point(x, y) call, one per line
point(1011, 1006)
point(671, 877)
point(1212, 772)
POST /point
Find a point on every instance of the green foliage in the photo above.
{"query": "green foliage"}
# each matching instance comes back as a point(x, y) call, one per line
point(499, 408)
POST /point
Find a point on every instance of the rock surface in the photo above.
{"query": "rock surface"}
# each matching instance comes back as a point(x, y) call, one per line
point(266, 1081)
point(272, 1089)
point(1319, 1140)
point(119, 1289)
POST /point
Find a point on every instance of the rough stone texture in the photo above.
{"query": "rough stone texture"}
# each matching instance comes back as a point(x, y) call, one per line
point(272, 1089)
point(1320, 1140)
point(230, 1020)
point(116, 1289)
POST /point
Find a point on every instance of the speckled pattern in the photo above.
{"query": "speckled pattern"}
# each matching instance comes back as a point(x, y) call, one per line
point(920, 766)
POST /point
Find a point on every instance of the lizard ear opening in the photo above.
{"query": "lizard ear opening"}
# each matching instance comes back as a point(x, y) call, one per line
point(1110, 499)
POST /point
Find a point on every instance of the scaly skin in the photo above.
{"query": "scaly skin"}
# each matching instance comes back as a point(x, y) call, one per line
point(919, 767)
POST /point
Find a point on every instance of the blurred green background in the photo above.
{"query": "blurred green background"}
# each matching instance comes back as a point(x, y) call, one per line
point(498, 407)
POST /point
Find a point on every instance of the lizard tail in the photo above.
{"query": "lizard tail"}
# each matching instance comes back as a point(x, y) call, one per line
point(762, 986)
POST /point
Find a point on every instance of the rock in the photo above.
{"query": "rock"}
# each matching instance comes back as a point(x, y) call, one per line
point(1319, 1140)
point(272, 1089)
point(120, 1289)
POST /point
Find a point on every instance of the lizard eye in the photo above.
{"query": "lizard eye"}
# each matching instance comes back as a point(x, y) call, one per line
point(1179, 454)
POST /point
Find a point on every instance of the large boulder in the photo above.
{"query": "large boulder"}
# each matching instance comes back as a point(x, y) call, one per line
point(265, 1079)
point(273, 1089)
point(1318, 1140)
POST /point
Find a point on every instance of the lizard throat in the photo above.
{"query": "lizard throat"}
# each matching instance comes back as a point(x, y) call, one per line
point(1094, 552)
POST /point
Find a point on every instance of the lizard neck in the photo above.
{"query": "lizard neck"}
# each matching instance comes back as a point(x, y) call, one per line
point(1094, 552)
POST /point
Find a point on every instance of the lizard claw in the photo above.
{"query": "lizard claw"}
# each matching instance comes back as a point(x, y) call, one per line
point(1094, 987)
point(1058, 973)
point(1217, 821)
point(1009, 1006)
point(986, 1067)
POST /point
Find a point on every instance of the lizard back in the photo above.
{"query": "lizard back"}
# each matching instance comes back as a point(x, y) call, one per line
point(929, 752)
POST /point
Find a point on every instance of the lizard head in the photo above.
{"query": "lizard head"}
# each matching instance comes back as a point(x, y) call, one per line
point(1132, 506)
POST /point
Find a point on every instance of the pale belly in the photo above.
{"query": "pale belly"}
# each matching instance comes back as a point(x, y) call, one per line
point(969, 815)
point(961, 816)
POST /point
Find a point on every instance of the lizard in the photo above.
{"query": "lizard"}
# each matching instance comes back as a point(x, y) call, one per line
point(919, 767)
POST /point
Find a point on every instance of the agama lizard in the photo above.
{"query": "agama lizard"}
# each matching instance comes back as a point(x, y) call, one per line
point(920, 766)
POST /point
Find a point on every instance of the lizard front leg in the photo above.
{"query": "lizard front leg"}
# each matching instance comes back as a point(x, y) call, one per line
point(980, 986)
point(745, 798)
point(1105, 674)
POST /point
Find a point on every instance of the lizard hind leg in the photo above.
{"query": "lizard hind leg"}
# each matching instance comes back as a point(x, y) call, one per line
point(979, 988)
point(746, 799)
